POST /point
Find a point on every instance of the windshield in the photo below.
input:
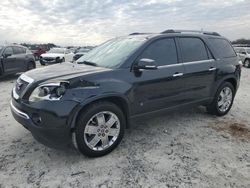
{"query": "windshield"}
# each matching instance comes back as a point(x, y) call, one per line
point(112, 53)
point(56, 50)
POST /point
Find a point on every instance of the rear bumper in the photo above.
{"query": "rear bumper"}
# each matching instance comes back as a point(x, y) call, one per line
point(51, 135)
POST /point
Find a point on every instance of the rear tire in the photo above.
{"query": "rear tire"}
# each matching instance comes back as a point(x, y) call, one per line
point(99, 129)
point(223, 100)
point(31, 65)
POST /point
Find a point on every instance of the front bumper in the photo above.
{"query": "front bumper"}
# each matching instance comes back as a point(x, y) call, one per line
point(47, 127)
point(52, 61)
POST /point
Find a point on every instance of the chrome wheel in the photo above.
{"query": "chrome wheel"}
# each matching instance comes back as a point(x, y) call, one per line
point(102, 130)
point(225, 99)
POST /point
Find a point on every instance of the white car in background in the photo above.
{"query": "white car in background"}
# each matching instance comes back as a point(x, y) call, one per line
point(56, 55)
point(244, 55)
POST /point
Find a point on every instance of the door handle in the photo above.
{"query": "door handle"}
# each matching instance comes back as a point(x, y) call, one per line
point(212, 69)
point(177, 74)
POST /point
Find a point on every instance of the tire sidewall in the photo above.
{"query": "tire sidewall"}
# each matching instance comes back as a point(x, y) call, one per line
point(85, 117)
point(31, 65)
point(225, 84)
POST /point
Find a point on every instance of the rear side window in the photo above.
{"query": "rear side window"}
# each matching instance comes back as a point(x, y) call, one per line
point(23, 50)
point(193, 49)
point(17, 50)
point(163, 51)
point(222, 47)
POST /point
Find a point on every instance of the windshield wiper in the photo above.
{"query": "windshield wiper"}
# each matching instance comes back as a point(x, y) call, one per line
point(88, 63)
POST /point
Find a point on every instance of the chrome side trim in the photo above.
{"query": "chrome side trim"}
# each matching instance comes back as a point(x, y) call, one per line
point(26, 78)
point(18, 112)
point(197, 62)
point(191, 62)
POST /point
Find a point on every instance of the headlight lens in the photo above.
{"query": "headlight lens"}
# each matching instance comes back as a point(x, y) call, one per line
point(49, 91)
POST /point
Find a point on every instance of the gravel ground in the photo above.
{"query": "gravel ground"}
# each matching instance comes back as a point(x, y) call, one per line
point(188, 148)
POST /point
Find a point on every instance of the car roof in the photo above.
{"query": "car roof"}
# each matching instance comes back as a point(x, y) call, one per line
point(172, 32)
point(13, 45)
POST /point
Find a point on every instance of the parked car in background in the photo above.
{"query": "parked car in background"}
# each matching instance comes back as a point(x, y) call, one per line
point(91, 102)
point(244, 55)
point(80, 53)
point(15, 58)
point(56, 55)
point(38, 52)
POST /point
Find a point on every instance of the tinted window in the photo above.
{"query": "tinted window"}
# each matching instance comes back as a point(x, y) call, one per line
point(17, 50)
point(23, 50)
point(223, 48)
point(8, 50)
point(162, 51)
point(193, 49)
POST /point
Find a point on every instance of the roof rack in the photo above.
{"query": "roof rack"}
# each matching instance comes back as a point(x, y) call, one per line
point(139, 33)
point(191, 31)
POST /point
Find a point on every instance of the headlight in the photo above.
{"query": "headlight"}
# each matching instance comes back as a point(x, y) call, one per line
point(49, 91)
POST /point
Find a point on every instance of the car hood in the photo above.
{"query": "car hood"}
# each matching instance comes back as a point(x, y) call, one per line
point(63, 71)
point(81, 53)
point(54, 55)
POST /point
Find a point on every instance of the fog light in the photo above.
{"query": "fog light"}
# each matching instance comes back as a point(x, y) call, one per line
point(36, 119)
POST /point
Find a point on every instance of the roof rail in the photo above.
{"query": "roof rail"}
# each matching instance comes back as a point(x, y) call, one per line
point(191, 31)
point(139, 33)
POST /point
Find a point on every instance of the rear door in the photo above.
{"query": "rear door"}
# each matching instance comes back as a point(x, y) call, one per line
point(161, 88)
point(200, 68)
point(9, 60)
point(20, 58)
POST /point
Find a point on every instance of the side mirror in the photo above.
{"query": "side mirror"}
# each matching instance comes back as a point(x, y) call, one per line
point(6, 55)
point(146, 64)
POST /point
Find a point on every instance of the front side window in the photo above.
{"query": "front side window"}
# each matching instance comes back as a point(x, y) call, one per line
point(8, 51)
point(163, 51)
point(248, 51)
point(113, 53)
point(222, 47)
point(193, 49)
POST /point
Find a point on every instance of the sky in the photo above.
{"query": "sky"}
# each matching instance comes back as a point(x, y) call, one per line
point(91, 22)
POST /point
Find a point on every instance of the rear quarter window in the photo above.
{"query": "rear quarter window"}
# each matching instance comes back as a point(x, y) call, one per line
point(222, 47)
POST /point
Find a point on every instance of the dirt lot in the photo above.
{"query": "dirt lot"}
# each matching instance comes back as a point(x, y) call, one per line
point(182, 149)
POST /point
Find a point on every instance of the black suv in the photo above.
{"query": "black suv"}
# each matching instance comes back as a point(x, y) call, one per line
point(90, 103)
point(15, 58)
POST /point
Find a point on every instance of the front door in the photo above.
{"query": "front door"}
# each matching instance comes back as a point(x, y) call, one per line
point(161, 88)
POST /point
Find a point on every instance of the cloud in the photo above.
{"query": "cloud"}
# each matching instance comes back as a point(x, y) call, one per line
point(81, 22)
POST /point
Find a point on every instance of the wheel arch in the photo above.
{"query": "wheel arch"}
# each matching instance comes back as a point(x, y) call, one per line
point(120, 101)
point(231, 79)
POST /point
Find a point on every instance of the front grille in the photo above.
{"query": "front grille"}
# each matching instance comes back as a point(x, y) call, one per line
point(49, 59)
point(20, 86)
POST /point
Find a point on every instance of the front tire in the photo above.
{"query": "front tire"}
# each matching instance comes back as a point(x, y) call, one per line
point(99, 129)
point(223, 100)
